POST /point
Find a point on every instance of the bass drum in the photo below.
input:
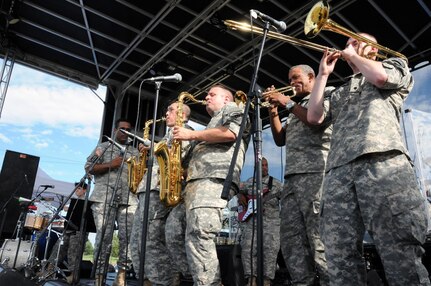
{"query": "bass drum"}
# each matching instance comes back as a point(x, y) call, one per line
point(8, 251)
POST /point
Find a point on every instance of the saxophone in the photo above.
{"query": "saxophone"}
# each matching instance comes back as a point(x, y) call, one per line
point(137, 168)
point(169, 159)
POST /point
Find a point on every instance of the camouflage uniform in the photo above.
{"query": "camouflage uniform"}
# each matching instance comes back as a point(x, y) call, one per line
point(159, 267)
point(101, 198)
point(207, 171)
point(306, 152)
point(271, 231)
point(371, 185)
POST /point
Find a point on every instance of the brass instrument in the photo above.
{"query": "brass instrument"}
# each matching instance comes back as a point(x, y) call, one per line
point(317, 20)
point(240, 96)
point(138, 168)
point(169, 160)
point(234, 25)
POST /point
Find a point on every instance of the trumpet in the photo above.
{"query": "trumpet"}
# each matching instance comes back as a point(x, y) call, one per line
point(240, 96)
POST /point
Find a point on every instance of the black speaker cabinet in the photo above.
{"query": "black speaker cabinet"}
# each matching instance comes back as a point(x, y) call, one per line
point(16, 180)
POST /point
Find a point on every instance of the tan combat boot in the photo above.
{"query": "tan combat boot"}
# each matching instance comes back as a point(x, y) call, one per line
point(147, 282)
point(176, 279)
point(252, 281)
point(266, 282)
point(120, 280)
point(99, 280)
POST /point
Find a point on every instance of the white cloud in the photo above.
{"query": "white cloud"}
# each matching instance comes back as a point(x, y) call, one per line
point(58, 104)
point(5, 139)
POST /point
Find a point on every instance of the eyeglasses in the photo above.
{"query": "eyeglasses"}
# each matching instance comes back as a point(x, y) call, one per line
point(126, 129)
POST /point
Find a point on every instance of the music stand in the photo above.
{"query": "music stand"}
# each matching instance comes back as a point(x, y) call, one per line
point(74, 214)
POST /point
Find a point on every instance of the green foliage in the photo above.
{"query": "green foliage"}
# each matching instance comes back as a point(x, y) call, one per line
point(115, 246)
point(89, 249)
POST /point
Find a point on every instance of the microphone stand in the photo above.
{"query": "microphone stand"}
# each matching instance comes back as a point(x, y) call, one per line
point(257, 131)
point(82, 232)
point(113, 205)
point(150, 163)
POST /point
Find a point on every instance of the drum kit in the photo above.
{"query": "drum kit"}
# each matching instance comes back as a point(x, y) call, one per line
point(29, 252)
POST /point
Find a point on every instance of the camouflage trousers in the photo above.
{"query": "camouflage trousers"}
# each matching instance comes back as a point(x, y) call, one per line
point(158, 265)
point(68, 250)
point(271, 246)
point(175, 232)
point(301, 245)
point(378, 193)
point(124, 218)
point(203, 224)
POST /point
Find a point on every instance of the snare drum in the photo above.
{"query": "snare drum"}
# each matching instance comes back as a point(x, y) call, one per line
point(8, 251)
point(35, 222)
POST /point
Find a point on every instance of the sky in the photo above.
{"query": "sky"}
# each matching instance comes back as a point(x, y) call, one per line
point(59, 121)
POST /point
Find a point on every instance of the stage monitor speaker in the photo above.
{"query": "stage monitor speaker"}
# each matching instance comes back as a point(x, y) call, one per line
point(13, 277)
point(16, 180)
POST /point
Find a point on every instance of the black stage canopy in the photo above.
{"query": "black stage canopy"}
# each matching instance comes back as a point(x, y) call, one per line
point(118, 43)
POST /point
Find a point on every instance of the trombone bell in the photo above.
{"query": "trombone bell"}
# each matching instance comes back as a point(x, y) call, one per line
point(316, 19)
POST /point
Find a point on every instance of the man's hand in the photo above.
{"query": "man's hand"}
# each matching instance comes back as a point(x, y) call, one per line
point(181, 133)
point(116, 163)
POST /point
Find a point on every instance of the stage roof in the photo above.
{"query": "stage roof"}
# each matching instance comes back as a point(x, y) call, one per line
point(118, 43)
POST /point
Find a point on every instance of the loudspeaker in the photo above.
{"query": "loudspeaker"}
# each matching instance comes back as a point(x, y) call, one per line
point(232, 273)
point(13, 277)
point(16, 180)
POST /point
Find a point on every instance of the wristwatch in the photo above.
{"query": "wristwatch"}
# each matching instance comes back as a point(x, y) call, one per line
point(290, 104)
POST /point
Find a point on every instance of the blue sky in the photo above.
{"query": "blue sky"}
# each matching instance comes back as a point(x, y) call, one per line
point(60, 121)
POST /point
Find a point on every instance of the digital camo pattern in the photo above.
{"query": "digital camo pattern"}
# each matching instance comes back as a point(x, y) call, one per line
point(158, 265)
point(124, 218)
point(203, 224)
point(366, 119)
point(307, 147)
point(271, 231)
point(212, 160)
point(105, 183)
point(175, 232)
point(376, 193)
point(371, 184)
point(301, 245)
point(307, 150)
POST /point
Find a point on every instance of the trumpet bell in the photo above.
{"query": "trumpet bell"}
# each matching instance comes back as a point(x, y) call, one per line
point(316, 19)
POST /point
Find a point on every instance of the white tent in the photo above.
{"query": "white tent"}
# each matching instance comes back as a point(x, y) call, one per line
point(58, 190)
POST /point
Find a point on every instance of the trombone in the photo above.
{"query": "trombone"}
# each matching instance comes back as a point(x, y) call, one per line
point(317, 19)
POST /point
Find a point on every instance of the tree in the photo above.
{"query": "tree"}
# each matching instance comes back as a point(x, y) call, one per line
point(89, 249)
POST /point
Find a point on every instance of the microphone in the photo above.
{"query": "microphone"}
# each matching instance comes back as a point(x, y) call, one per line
point(122, 149)
point(175, 78)
point(280, 26)
point(146, 142)
point(48, 186)
point(22, 200)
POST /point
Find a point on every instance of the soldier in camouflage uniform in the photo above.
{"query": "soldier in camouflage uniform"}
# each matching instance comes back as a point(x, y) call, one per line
point(207, 171)
point(271, 226)
point(159, 267)
point(306, 152)
point(106, 172)
point(370, 184)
